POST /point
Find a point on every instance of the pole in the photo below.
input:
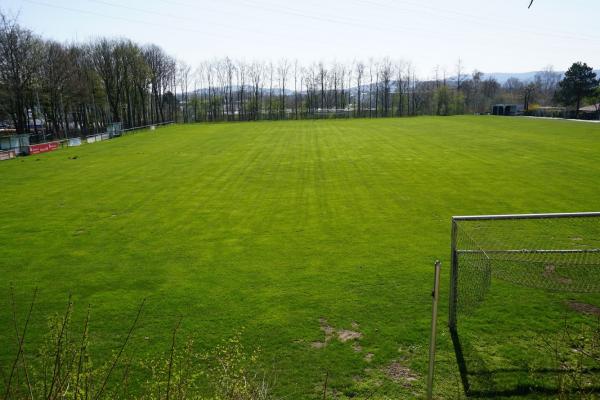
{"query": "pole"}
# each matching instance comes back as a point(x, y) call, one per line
point(453, 277)
point(435, 294)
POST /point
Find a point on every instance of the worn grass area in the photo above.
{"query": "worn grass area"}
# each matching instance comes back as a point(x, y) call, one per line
point(287, 230)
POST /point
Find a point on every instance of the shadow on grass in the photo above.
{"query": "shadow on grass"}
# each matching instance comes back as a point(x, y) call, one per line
point(479, 381)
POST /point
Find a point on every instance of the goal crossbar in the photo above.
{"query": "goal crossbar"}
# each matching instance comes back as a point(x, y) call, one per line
point(525, 216)
point(529, 251)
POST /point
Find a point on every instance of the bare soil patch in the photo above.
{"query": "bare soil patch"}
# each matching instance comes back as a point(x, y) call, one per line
point(550, 273)
point(584, 308)
point(398, 373)
point(327, 329)
point(343, 335)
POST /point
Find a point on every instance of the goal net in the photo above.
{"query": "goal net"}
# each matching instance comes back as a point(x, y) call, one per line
point(516, 281)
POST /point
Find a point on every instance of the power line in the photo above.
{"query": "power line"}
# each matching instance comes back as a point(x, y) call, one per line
point(172, 16)
point(113, 17)
point(481, 20)
point(298, 13)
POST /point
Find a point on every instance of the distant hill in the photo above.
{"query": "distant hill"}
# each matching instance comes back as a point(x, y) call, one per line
point(502, 77)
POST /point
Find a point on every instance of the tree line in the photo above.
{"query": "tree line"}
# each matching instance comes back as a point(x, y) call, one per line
point(79, 88)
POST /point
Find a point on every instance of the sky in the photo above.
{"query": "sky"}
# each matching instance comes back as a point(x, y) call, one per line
point(487, 35)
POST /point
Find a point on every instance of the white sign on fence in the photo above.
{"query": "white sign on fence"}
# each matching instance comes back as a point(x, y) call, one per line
point(7, 155)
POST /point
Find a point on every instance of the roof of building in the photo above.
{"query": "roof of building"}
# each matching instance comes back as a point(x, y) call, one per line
point(591, 108)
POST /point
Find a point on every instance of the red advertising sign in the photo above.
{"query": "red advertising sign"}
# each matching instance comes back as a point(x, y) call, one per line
point(43, 147)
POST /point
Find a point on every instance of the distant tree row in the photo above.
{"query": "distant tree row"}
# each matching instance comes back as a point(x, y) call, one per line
point(76, 89)
point(224, 90)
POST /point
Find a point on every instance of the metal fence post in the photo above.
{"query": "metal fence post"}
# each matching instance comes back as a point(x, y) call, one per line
point(435, 294)
point(453, 278)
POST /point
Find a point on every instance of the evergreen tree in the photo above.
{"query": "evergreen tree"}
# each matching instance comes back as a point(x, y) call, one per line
point(579, 82)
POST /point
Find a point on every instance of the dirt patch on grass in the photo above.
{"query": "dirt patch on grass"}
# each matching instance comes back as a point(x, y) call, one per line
point(369, 357)
point(327, 329)
point(549, 270)
point(343, 335)
point(584, 308)
point(399, 373)
point(550, 273)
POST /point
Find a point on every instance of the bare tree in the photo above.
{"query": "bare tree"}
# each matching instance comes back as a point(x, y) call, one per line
point(109, 64)
point(322, 80)
point(370, 88)
point(241, 78)
point(184, 77)
point(256, 74)
point(400, 87)
point(360, 70)
point(229, 68)
point(296, 67)
point(161, 71)
point(528, 95)
point(271, 71)
point(513, 88)
point(546, 83)
point(342, 78)
point(377, 75)
point(282, 71)
point(459, 74)
point(336, 69)
point(385, 75)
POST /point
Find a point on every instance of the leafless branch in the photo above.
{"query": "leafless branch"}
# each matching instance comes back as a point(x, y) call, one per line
point(116, 360)
point(171, 356)
point(20, 339)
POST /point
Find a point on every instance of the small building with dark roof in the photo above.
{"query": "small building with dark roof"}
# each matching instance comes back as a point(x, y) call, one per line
point(507, 109)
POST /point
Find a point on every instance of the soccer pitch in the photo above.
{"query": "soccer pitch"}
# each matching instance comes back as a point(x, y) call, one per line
point(284, 231)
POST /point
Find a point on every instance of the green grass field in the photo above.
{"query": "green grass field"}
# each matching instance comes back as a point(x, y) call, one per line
point(269, 227)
